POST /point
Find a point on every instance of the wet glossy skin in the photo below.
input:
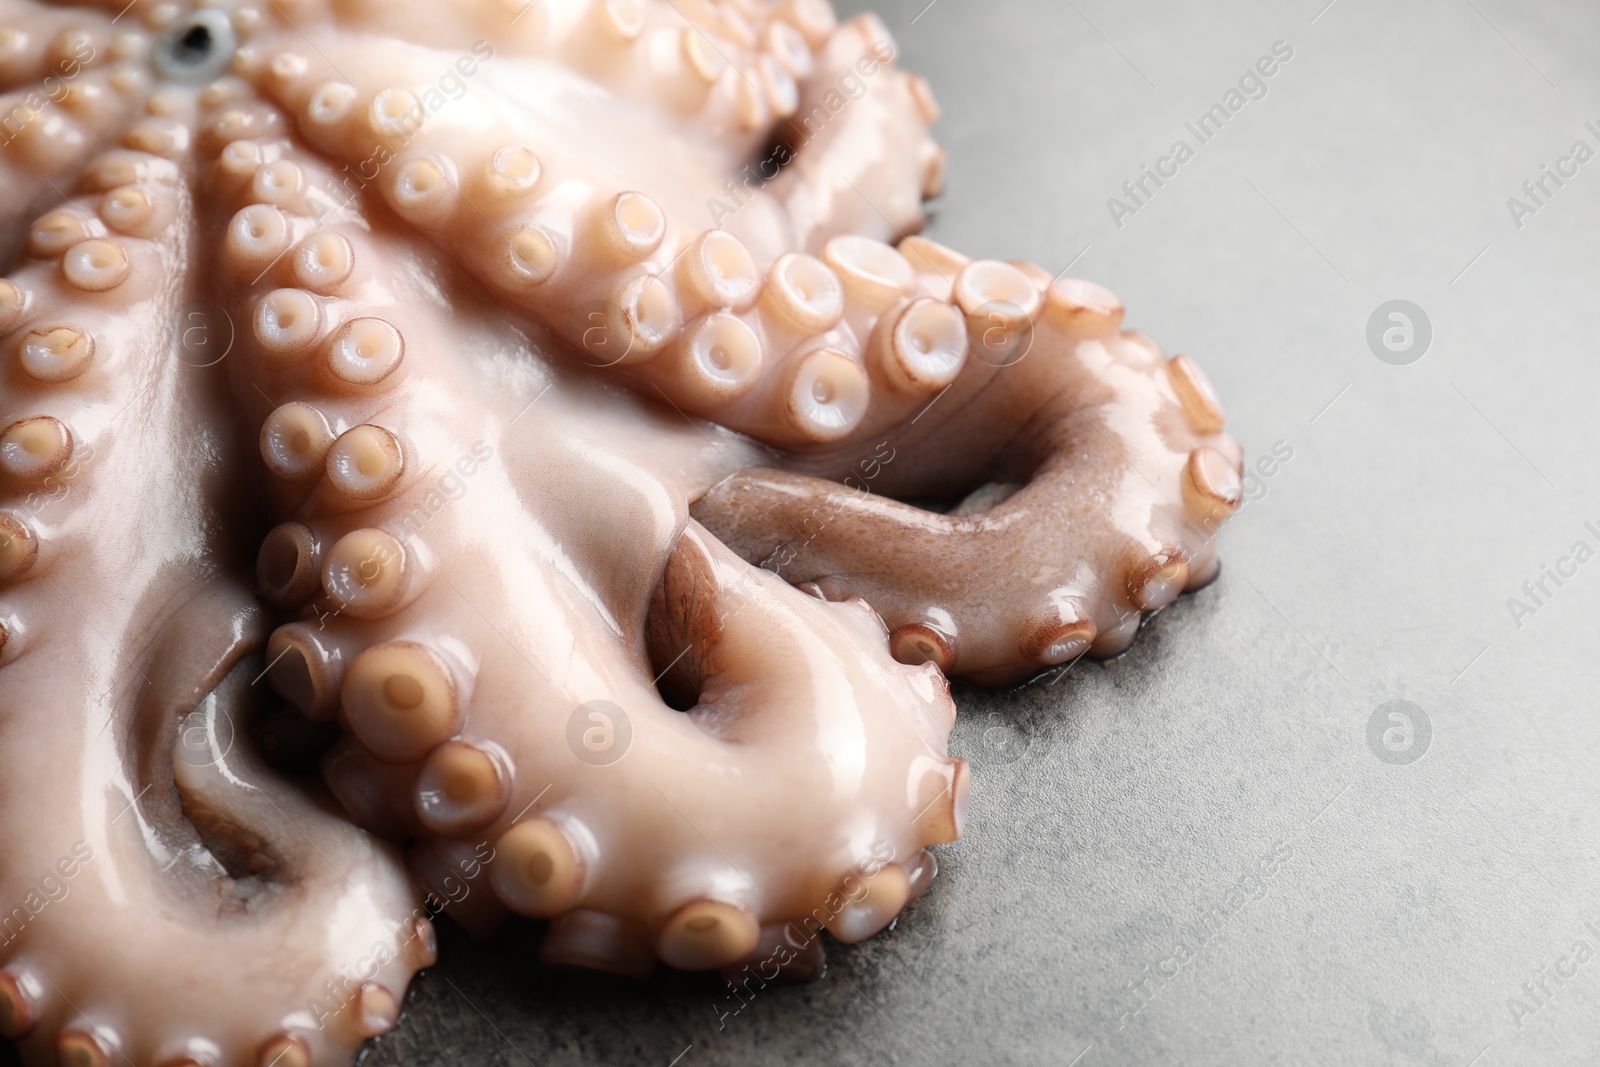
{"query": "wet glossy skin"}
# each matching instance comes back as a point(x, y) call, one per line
point(140, 825)
point(566, 450)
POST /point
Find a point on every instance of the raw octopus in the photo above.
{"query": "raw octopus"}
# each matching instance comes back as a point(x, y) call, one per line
point(513, 456)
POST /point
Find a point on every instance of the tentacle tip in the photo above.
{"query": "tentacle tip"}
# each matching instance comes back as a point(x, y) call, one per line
point(922, 92)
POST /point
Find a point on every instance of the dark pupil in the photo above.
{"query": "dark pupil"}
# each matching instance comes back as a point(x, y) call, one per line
point(195, 44)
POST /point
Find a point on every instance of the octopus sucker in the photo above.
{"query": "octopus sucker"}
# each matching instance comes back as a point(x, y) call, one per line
point(167, 837)
point(423, 670)
point(545, 421)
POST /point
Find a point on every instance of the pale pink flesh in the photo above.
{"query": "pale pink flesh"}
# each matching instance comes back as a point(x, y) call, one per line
point(438, 239)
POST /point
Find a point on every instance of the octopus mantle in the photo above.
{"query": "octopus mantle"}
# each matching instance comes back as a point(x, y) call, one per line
point(491, 456)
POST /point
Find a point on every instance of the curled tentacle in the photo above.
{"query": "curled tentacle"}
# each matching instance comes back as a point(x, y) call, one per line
point(862, 159)
point(1102, 477)
point(481, 701)
point(554, 683)
point(127, 652)
point(702, 289)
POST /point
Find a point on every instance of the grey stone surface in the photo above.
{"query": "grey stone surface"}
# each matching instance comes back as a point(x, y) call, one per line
point(1360, 910)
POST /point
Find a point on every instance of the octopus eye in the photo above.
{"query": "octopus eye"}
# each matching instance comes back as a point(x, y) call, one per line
point(197, 48)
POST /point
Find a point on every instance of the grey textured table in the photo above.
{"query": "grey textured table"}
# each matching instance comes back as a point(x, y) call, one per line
point(1223, 847)
point(1195, 854)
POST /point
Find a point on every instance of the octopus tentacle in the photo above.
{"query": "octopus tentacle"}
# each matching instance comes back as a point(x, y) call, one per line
point(771, 343)
point(716, 74)
point(861, 158)
point(1103, 476)
point(459, 675)
point(166, 837)
point(494, 570)
point(46, 140)
point(54, 42)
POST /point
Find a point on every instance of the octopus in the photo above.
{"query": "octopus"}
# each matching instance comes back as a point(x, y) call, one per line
point(514, 459)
